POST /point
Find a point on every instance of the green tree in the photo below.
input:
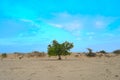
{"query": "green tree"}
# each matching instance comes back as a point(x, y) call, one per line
point(117, 52)
point(90, 50)
point(102, 51)
point(57, 49)
point(90, 53)
point(3, 55)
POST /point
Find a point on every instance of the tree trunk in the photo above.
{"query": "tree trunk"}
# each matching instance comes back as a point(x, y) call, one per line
point(59, 57)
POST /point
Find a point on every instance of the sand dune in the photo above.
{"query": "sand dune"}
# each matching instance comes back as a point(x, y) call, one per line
point(72, 68)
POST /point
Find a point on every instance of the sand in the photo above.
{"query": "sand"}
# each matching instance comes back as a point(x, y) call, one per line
point(81, 68)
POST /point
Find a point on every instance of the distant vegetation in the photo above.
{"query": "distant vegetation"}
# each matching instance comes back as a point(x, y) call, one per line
point(57, 49)
point(4, 55)
point(103, 51)
point(90, 53)
point(116, 51)
point(60, 49)
point(36, 54)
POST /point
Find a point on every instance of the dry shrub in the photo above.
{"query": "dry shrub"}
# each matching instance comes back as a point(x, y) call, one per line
point(76, 55)
point(35, 54)
point(3, 55)
point(117, 52)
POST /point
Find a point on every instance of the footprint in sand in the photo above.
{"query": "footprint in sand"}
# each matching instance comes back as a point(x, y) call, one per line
point(32, 74)
point(108, 71)
point(60, 77)
point(28, 79)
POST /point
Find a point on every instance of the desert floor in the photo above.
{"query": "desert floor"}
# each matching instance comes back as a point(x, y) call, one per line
point(80, 68)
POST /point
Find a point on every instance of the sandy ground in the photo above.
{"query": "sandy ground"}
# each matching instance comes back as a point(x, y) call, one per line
point(67, 69)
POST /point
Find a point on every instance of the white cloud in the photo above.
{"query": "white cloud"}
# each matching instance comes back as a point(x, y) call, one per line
point(78, 39)
point(32, 27)
point(90, 33)
point(99, 24)
point(90, 37)
point(56, 25)
point(28, 21)
point(109, 34)
point(65, 21)
point(102, 21)
point(72, 26)
point(20, 35)
point(76, 24)
point(31, 22)
point(79, 26)
point(77, 33)
point(62, 15)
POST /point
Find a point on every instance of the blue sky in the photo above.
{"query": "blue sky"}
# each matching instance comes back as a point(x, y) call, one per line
point(29, 25)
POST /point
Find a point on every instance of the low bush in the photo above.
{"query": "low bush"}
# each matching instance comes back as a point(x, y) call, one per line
point(102, 51)
point(90, 53)
point(116, 52)
point(4, 55)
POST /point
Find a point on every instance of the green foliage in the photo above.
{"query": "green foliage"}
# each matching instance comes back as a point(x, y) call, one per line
point(90, 50)
point(102, 51)
point(90, 53)
point(4, 55)
point(57, 49)
point(116, 52)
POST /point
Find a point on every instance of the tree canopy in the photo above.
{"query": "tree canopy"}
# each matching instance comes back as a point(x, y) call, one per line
point(116, 51)
point(90, 53)
point(57, 49)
